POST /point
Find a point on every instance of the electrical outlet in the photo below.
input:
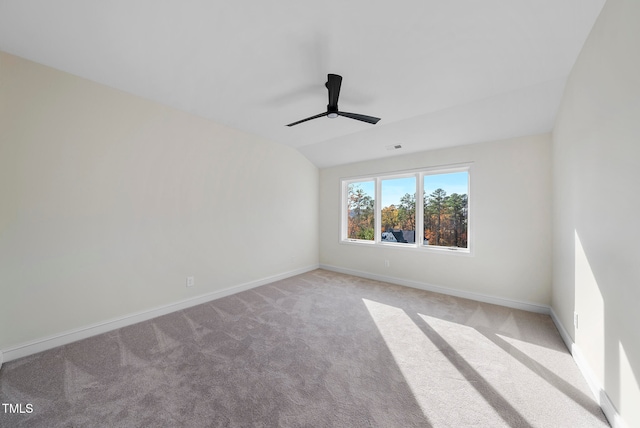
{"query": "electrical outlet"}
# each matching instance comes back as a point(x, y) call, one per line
point(190, 281)
point(575, 320)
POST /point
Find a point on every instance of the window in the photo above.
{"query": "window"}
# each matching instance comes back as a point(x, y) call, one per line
point(427, 209)
point(361, 210)
point(398, 213)
point(446, 207)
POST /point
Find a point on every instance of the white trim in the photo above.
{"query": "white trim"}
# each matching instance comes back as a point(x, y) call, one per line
point(45, 343)
point(564, 334)
point(597, 390)
point(515, 304)
point(377, 214)
point(460, 252)
point(429, 170)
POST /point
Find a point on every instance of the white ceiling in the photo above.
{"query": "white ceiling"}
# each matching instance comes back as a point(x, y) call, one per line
point(438, 73)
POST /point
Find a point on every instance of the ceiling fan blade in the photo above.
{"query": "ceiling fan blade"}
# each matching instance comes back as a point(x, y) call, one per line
point(361, 117)
point(333, 85)
point(309, 118)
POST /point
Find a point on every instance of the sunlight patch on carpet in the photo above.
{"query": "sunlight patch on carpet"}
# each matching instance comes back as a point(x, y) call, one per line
point(428, 372)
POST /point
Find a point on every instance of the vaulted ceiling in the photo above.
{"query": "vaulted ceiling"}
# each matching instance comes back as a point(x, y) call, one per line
point(438, 73)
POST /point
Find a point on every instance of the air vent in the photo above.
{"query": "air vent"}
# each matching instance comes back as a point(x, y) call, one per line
point(394, 147)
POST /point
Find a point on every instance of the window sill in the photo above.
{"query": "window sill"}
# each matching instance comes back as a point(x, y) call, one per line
point(412, 247)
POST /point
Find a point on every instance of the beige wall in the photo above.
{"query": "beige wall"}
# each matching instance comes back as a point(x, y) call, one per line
point(596, 169)
point(108, 202)
point(510, 208)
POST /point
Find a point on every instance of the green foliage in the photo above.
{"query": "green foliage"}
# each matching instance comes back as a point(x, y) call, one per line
point(407, 212)
point(401, 217)
point(445, 219)
point(367, 233)
point(361, 213)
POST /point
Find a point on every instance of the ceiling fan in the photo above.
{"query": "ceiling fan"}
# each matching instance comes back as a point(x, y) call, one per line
point(333, 85)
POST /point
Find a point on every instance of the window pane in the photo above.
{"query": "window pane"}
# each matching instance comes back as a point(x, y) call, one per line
point(446, 209)
point(399, 210)
point(360, 210)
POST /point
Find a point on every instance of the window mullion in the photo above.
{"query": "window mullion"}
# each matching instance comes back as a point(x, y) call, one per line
point(419, 209)
point(378, 213)
point(344, 211)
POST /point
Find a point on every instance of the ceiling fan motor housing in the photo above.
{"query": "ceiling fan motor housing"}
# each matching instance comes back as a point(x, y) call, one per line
point(332, 111)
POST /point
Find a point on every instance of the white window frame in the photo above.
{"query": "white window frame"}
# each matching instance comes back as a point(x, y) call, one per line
point(419, 174)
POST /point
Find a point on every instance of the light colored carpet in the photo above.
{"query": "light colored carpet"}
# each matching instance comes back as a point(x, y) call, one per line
point(317, 350)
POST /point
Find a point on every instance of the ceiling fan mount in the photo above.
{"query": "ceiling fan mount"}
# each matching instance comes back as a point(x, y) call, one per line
point(334, 82)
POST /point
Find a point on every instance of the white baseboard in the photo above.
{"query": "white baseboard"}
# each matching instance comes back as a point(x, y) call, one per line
point(70, 336)
point(515, 304)
point(564, 334)
point(597, 390)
